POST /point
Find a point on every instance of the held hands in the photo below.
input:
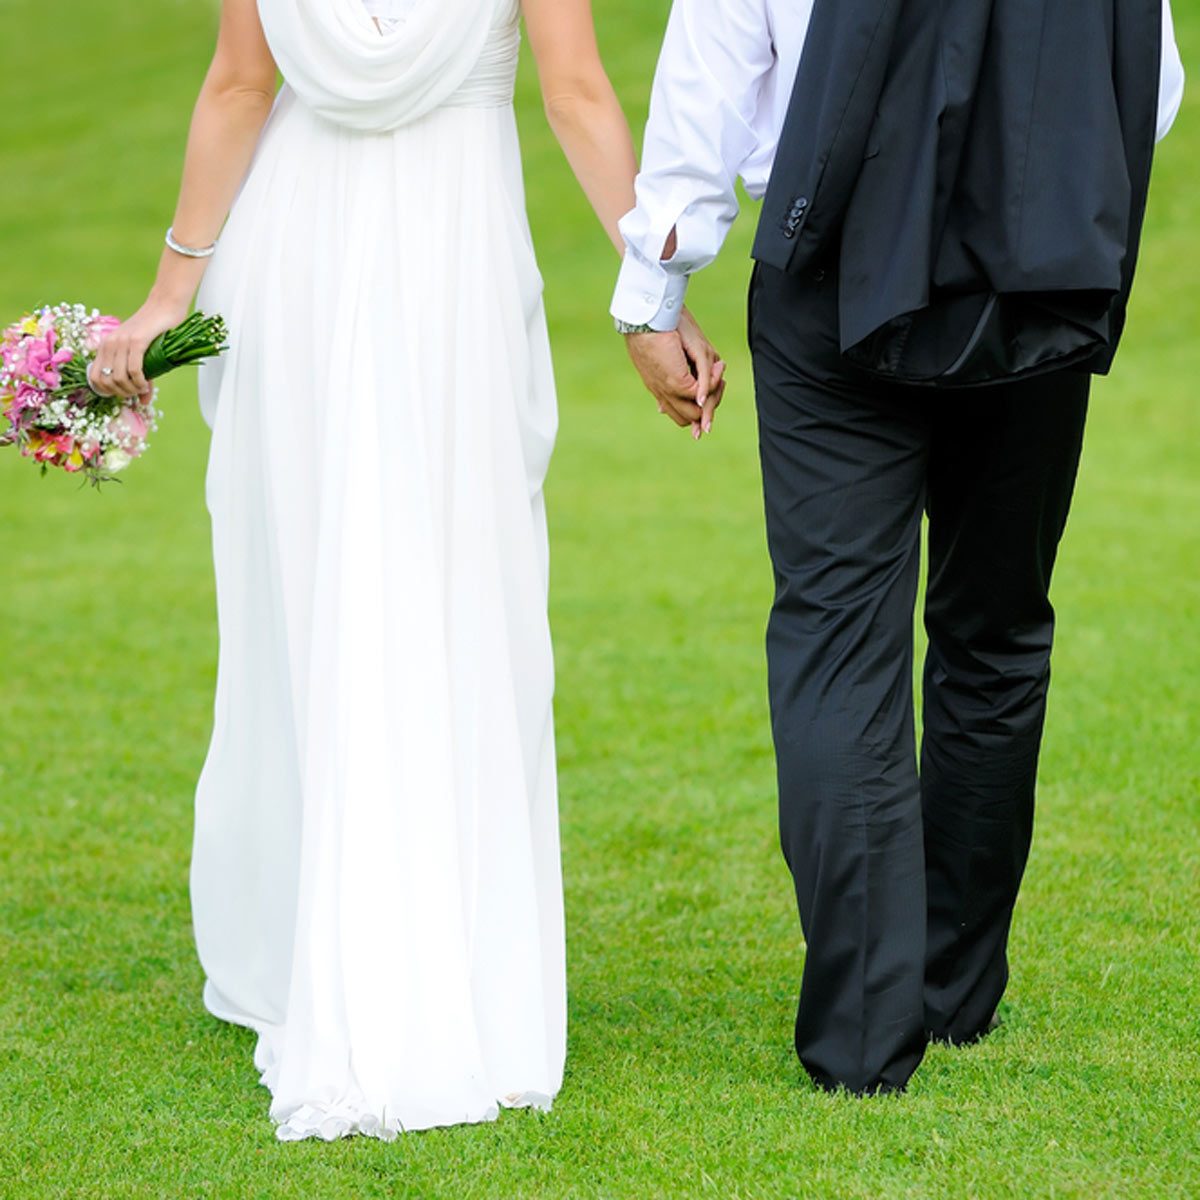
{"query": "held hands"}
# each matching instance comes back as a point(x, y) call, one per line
point(682, 372)
point(117, 369)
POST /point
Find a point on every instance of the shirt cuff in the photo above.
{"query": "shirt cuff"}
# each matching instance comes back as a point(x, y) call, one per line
point(648, 294)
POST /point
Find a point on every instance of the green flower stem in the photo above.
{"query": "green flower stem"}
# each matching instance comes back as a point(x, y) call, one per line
point(192, 341)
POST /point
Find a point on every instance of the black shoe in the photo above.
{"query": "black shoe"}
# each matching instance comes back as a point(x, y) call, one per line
point(946, 1039)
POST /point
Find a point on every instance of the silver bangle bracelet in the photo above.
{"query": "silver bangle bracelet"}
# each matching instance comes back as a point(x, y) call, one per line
point(188, 251)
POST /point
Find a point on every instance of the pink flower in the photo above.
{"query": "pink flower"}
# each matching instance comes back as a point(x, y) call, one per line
point(99, 327)
point(26, 397)
point(15, 355)
point(46, 448)
point(42, 360)
point(72, 456)
point(129, 428)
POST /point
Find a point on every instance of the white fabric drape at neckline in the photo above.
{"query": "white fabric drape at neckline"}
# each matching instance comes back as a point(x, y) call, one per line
point(339, 64)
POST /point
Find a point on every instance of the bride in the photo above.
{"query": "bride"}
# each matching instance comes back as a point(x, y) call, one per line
point(375, 880)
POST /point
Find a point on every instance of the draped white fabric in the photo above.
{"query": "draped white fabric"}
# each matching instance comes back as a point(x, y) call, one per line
point(376, 884)
point(333, 57)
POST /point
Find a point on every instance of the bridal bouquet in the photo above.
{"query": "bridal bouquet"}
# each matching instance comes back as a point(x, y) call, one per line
point(55, 418)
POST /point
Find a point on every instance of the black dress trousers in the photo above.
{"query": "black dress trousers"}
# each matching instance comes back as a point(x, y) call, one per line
point(905, 878)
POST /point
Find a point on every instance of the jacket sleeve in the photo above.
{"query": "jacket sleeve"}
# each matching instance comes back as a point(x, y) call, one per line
point(842, 73)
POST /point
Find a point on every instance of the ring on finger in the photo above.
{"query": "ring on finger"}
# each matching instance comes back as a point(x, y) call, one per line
point(106, 371)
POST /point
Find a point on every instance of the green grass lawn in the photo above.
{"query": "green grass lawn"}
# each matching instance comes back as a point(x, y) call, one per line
point(684, 949)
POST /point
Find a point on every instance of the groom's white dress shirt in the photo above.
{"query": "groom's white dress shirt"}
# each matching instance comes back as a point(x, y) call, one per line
point(717, 110)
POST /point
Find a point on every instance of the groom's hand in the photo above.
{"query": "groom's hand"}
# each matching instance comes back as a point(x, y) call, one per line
point(663, 366)
point(685, 380)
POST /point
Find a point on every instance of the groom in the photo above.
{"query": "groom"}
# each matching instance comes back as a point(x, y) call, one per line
point(953, 202)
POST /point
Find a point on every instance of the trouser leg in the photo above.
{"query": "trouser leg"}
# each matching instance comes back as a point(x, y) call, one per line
point(1002, 470)
point(843, 471)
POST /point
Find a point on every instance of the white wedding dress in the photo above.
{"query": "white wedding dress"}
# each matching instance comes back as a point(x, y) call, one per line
point(375, 882)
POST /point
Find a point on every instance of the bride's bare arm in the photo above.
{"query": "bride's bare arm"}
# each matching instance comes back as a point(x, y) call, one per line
point(232, 108)
point(587, 119)
point(582, 107)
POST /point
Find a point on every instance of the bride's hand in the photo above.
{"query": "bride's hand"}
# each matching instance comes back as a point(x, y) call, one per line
point(708, 368)
point(117, 369)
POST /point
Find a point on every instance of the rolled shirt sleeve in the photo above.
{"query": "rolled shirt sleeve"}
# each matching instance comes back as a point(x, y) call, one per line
point(715, 56)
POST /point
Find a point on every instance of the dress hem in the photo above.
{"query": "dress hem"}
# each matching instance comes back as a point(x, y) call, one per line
point(331, 1122)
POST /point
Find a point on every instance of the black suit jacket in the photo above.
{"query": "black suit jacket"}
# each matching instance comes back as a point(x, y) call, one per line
point(981, 170)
